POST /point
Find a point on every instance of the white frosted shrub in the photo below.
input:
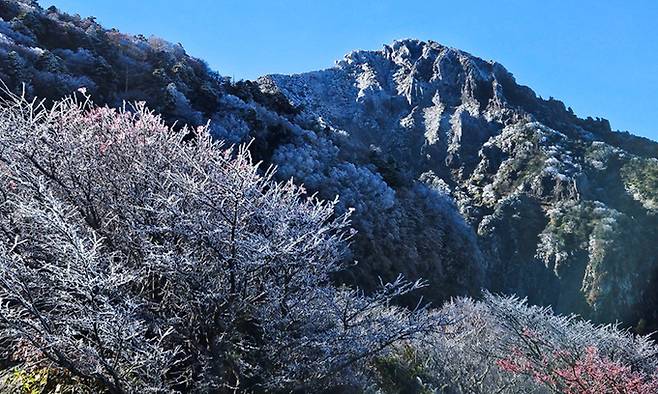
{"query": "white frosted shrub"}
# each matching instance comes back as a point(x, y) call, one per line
point(503, 345)
point(141, 259)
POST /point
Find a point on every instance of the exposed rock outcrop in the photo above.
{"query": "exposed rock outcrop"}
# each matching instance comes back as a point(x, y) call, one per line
point(563, 208)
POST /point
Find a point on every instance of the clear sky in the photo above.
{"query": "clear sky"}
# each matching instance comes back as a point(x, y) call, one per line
point(598, 56)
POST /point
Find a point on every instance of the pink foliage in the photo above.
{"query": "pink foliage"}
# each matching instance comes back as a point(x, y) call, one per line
point(589, 373)
point(594, 373)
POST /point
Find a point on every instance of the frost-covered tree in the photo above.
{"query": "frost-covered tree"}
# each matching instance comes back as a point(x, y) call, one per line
point(413, 228)
point(504, 345)
point(142, 259)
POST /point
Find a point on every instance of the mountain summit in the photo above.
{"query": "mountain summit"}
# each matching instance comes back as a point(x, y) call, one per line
point(563, 208)
point(455, 172)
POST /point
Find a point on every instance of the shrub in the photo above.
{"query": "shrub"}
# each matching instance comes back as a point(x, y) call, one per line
point(503, 345)
point(142, 259)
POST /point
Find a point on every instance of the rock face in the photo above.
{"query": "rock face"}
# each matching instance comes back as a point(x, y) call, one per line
point(455, 173)
point(563, 208)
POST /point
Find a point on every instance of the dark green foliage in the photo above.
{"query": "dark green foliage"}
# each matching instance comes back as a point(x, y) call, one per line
point(250, 91)
point(23, 379)
point(401, 373)
point(641, 176)
point(390, 169)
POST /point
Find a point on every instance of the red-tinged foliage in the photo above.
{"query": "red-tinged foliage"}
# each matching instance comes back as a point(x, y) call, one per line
point(590, 373)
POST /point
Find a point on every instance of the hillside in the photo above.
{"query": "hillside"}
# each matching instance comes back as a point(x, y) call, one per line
point(137, 258)
point(54, 54)
point(456, 173)
point(563, 207)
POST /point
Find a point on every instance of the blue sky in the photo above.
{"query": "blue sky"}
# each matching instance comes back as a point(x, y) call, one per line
point(599, 57)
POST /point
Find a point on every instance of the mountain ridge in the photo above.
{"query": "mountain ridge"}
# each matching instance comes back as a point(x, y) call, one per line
point(457, 174)
point(460, 115)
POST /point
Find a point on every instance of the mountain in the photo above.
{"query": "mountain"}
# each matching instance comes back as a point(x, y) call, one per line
point(455, 172)
point(563, 208)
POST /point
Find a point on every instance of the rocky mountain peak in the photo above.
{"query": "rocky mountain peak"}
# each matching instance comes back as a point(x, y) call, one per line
point(544, 190)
